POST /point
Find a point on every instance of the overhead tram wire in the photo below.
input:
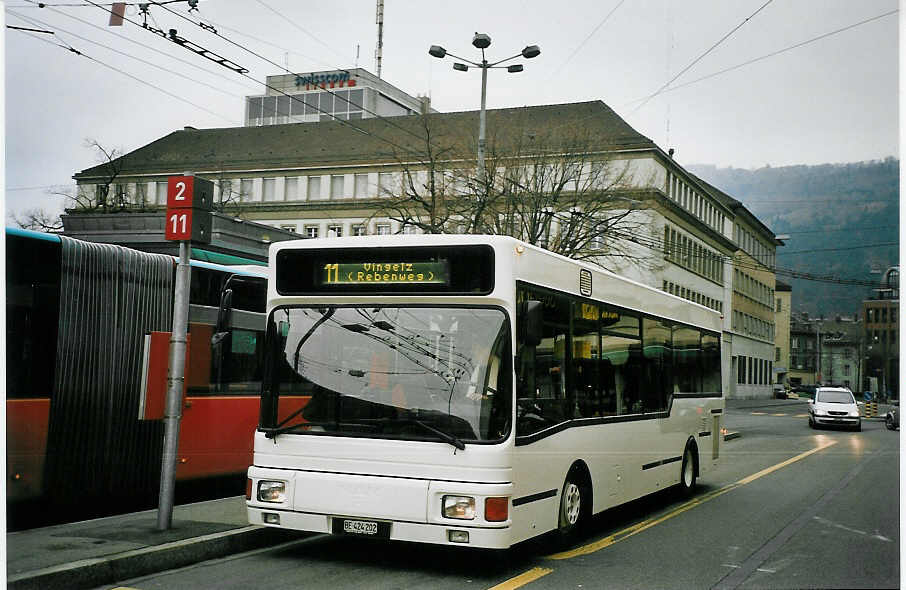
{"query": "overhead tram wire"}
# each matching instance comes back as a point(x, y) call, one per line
point(292, 97)
point(146, 62)
point(275, 64)
point(299, 27)
point(699, 58)
point(128, 75)
point(772, 54)
point(133, 41)
point(590, 35)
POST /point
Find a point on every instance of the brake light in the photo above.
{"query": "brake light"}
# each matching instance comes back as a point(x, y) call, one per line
point(496, 509)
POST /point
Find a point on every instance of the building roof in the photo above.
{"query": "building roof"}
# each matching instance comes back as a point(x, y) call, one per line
point(591, 126)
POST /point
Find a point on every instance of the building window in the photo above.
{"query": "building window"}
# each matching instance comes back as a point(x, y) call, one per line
point(288, 227)
point(779, 307)
point(314, 188)
point(269, 189)
point(291, 188)
point(385, 184)
point(777, 354)
point(409, 230)
point(337, 186)
point(846, 369)
point(361, 186)
point(382, 229)
point(334, 231)
point(359, 230)
point(160, 196)
point(311, 231)
point(246, 189)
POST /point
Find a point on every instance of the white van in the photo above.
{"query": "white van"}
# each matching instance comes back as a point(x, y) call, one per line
point(834, 406)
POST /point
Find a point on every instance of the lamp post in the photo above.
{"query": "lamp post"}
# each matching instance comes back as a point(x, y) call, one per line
point(482, 42)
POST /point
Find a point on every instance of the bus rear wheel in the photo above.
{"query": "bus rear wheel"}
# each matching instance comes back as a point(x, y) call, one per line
point(688, 477)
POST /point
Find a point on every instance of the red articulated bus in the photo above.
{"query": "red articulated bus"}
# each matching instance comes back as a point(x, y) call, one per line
point(76, 318)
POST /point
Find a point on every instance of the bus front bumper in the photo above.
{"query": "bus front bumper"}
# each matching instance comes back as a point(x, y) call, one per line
point(438, 534)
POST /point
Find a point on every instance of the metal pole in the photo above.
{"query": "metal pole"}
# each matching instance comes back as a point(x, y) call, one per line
point(175, 381)
point(482, 122)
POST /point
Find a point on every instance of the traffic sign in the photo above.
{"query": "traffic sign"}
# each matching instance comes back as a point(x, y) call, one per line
point(187, 192)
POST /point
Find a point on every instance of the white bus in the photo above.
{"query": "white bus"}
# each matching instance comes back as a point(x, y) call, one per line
point(473, 390)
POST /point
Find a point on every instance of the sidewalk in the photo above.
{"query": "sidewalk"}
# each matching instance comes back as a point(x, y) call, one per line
point(102, 551)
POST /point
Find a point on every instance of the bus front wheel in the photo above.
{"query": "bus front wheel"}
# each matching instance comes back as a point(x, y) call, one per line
point(575, 506)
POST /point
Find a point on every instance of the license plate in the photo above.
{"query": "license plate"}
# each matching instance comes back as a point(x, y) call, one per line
point(367, 528)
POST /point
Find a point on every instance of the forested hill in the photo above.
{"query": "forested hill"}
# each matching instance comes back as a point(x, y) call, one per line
point(831, 213)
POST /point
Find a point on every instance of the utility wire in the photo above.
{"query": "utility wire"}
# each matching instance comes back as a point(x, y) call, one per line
point(590, 35)
point(772, 54)
point(292, 96)
point(697, 59)
point(297, 26)
point(163, 53)
point(146, 62)
point(128, 75)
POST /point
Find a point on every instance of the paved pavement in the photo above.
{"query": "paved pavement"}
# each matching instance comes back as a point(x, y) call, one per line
point(97, 552)
point(106, 550)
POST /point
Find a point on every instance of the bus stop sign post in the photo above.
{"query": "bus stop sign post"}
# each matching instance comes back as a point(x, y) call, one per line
point(188, 220)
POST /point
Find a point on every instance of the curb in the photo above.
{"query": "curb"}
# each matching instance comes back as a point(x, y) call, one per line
point(731, 436)
point(90, 573)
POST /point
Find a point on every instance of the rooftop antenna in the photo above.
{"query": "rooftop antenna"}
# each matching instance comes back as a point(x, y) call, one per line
point(378, 53)
point(357, 47)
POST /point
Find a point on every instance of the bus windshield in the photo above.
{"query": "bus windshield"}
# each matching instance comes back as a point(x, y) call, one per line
point(415, 373)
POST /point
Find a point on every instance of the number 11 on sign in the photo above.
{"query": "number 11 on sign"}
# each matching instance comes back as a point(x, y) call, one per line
point(179, 224)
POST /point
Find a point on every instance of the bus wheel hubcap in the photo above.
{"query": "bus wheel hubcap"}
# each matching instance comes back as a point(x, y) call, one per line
point(571, 502)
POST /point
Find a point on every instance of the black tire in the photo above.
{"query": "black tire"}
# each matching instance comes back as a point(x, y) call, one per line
point(889, 422)
point(811, 423)
point(574, 508)
point(688, 477)
point(858, 427)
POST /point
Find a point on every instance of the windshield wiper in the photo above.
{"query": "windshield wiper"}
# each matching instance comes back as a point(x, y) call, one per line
point(444, 436)
point(275, 432)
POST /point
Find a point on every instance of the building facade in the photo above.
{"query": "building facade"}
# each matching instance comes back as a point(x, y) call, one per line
point(783, 301)
point(346, 95)
point(336, 178)
point(881, 334)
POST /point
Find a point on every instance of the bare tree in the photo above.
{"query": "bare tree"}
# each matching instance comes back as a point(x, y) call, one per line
point(37, 219)
point(559, 191)
point(426, 192)
point(106, 195)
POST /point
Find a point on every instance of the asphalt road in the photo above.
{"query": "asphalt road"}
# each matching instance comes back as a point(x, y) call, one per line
point(789, 507)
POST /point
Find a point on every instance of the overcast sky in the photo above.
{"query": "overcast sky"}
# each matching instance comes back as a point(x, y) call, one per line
point(806, 82)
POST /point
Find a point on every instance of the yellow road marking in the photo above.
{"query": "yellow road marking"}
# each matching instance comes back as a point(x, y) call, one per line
point(780, 414)
point(759, 413)
point(801, 416)
point(647, 524)
point(523, 579)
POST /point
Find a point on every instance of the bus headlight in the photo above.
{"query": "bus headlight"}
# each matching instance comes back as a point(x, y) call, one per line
point(462, 507)
point(271, 491)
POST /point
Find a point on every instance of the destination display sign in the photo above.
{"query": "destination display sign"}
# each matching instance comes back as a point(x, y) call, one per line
point(386, 270)
point(386, 273)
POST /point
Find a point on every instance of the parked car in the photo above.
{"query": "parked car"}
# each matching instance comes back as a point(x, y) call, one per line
point(779, 391)
point(805, 390)
point(892, 418)
point(834, 406)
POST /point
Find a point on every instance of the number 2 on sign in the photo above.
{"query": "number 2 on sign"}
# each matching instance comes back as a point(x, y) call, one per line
point(180, 189)
point(176, 219)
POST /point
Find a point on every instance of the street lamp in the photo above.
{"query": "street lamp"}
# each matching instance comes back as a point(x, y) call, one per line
point(482, 41)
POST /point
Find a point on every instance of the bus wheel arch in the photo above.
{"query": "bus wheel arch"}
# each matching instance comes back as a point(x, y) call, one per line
point(575, 507)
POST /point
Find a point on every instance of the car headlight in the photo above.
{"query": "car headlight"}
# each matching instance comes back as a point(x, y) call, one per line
point(854, 413)
point(819, 412)
point(271, 491)
point(461, 507)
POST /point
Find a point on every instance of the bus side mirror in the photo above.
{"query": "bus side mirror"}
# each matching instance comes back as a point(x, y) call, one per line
point(226, 309)
point(532, 323)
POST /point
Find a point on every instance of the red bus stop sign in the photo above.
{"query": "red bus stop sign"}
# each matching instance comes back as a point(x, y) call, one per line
point(189, 203)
